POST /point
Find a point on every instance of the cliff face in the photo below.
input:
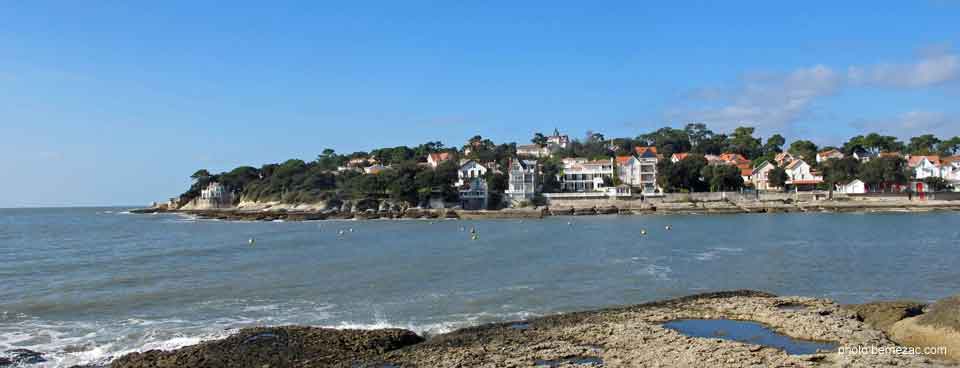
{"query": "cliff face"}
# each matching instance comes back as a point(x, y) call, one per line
point(333, 205)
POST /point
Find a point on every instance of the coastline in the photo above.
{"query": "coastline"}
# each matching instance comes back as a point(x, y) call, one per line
point(298, 213)
point(617, 336)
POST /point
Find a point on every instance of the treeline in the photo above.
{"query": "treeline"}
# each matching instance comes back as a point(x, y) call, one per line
point(406, 178)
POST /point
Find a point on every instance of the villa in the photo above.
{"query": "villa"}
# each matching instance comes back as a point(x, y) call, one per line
point(472, 184)
point(582, 175)
point(522, 183)
point(639, 171)
point(759, 176)
point(561, 141)
point(800, 175)
point(215, 195)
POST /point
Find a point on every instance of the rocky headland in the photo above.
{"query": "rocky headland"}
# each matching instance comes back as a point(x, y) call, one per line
point(628, 336)
point(373, 209)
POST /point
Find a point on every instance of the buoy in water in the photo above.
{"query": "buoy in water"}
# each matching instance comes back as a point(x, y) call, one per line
point(643, 232)
point(251, 241)
point(351, 229)
point(668, 227)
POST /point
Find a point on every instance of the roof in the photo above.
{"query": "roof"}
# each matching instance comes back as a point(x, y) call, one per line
point(762, 165)
point(783, 156)
point(623, 160)
point(440, 156)
point(890, 154)
point(746, 171)
point(679, 156)
point(794, 164)
point(730, 156)
point(950, 159)
point(915, 160)
point(646, 151)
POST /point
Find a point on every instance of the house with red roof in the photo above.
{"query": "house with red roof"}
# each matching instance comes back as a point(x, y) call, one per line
point(829, 154)
point(437, 158)
point(677, 157)
point(800, 175)
point(639, 172)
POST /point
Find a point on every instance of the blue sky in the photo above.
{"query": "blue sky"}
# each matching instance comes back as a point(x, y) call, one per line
point(118, 103)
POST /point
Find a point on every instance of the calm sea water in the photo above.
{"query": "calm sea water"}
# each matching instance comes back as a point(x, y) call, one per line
point(84, 285)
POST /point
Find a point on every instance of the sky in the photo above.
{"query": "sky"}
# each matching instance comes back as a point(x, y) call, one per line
point(117, 103)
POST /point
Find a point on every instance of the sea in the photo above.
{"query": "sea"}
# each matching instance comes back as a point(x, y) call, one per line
point(87, 285)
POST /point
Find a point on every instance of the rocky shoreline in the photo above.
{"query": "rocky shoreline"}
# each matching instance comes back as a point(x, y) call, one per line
point(295, 213)
point(628, 336)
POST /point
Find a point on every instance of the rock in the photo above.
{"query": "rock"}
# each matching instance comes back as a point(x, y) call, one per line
point(290, 346)
point(945, 313)
point(20, 356)
point(882, 315)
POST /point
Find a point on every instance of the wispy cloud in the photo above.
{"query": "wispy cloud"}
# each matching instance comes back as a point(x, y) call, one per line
point(913, 123)
point(780, 101)
point(763, 100)
point(930, 70)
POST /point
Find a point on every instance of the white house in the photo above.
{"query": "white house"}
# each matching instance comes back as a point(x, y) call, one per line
point(639, 171)
point(215, 195)
point(470, 169)
point(472, 185)
point(522, 184)
point(582, 175)
point(829, 154)
point(854, 187)
point(532, 150)
point(759, 176)
point(926, 167)
point(800, 175)
point(950, 166)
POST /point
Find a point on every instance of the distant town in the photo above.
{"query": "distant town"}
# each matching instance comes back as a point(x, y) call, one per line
point(482, 174)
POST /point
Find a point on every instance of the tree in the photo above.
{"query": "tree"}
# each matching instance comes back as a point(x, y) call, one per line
point(722, 177)
point(539, 139)
point(683, 175)
point(804, 149)
point(667, 140)
point(594, 137)
point(777, 177)
point(697, 133)
point(839, 171)
point(774, 144)
point(936, 183)
point(714, 145)
point(743, 142)
point(551, 169)
point(885, 171)
point(923, 145)
point(949, 147)
point(876, 143)
point(202, 173)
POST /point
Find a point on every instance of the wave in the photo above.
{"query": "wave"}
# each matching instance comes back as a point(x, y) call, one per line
point(66, 344)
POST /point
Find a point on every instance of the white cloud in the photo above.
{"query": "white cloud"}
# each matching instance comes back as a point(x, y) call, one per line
point(763, 100)
point(928, 71)
point(779, 101)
